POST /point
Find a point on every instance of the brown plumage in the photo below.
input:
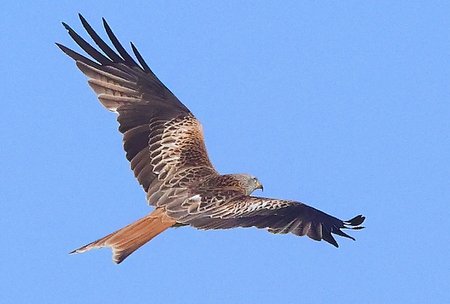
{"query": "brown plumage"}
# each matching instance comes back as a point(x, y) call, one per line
point(164, 143)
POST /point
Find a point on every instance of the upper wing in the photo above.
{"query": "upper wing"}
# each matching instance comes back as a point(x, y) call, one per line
point(161, 137)
point(231, 209)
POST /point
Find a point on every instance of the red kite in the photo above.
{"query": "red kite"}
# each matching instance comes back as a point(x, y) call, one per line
point(164, 143)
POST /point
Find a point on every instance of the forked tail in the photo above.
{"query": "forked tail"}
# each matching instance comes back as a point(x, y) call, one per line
point(125, 241)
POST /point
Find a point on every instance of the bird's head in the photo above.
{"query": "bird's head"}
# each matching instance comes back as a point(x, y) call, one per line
point(249, 183)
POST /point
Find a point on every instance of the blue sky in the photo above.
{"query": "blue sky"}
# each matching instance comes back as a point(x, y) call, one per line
point(343, 105)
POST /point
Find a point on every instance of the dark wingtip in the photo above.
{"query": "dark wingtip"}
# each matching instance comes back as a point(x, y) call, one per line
point(82, 19)
point(66, 26)
point(328, 237)
point(105, 23)
point(356, 221)
point(63, 48)
point(126, 57)
point(342, 233)
point(140, 58)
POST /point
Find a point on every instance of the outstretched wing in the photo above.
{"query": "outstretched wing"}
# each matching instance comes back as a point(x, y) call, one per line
point(162, 138)
point(231, 209)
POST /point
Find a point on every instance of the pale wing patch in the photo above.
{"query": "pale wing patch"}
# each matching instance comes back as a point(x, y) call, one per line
point(111, 90)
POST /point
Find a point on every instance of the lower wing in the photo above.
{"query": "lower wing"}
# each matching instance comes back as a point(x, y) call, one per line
point(277, 216)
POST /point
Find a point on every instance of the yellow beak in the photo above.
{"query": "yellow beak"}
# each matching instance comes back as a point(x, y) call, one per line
point(259, 186)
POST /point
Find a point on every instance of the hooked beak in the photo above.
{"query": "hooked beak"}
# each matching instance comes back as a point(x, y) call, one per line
point(260, 186)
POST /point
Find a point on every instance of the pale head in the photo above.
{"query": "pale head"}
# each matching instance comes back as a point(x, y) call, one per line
point(248, 182)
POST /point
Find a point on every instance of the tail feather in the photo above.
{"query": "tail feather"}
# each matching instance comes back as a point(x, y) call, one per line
point(125, 241)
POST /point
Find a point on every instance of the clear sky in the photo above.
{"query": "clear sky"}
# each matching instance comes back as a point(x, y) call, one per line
point(344, 105)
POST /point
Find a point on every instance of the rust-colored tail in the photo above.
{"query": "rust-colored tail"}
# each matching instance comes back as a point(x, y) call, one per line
point(125, 241)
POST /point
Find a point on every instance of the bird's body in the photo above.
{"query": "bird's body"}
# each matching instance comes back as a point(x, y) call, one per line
point(164, 144)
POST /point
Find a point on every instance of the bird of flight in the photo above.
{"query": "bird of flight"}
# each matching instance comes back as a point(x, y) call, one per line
point(164, 143)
